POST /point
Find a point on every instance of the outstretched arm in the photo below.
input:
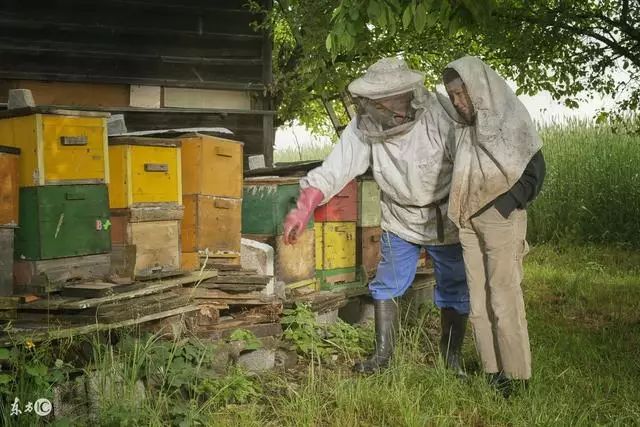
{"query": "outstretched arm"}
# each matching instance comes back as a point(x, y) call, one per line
point(348, 159)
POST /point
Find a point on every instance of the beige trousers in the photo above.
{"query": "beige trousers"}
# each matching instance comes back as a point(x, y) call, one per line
point(493, 249)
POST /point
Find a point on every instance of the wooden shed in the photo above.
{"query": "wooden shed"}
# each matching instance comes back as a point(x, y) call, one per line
point(163, 64)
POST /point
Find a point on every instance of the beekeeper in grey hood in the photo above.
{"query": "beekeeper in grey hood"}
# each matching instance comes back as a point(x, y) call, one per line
point(403, 133)
point(498, 171)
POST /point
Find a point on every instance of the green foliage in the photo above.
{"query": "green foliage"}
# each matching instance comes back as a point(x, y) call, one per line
point(235, 387)
point(585, 332)
point(29, 372)
point(573, 49)
point(304, 71)
point(353, 20)
point(248, 338)
point(181, 380)
point(324, 342)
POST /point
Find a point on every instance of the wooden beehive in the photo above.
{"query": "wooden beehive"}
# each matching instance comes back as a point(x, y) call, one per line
point(144, 171)
point(212, 166)
point(368, 203)
point(57, 146)
point(335, 245)
point(266, 202)
point(293, 263)
point(49, 275)
point(6, 261)
point(368, 248)
point(342, 207)
point(146, 240)
point(9, 176)
point(63, 221)
point(211, 225)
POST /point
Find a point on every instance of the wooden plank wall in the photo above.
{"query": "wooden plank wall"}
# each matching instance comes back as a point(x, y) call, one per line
point(87, 53)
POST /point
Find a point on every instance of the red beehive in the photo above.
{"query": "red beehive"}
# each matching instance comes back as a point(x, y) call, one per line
point(342, 207)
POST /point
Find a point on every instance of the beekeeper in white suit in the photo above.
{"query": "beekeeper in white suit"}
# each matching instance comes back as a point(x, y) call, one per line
point(499, 169)
point(404, 134)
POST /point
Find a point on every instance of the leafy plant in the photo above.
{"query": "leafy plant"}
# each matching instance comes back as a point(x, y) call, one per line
point(29, 372)
point(248, 338)
point(322, 342)
point(235, 387)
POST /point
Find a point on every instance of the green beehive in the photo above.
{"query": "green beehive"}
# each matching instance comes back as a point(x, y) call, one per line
point(62, 221)
point(266, 202)
point(368, 203)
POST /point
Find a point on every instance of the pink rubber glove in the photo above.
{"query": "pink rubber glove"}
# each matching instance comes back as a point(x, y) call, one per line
point(298, 218)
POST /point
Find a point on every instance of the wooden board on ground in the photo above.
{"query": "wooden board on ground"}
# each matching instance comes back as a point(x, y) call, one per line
point(19, 334)
point(9, 303)
point(320, 302)
point(240, 278)
point(141, 307)
point(233, 287)
point(98, 289)
point(203, 294)
point(8, 314)
point(152, 288)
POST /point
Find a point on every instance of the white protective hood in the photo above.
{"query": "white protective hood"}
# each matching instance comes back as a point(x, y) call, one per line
point(492, 154)
point(411, 164)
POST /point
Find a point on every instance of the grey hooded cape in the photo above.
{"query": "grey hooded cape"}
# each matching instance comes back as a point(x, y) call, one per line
point(492, 154)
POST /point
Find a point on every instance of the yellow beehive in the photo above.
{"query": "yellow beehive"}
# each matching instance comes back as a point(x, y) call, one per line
point(57, 146)
point(335, 245)
point(143, 171)
point(215, 166)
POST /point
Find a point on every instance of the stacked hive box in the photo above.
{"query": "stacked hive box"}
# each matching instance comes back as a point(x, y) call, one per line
point(335, 232)
point(266, 202)
point(369, 232)
point(212, 199)
point(9, 157)
point(63, 203)
point(145, 195)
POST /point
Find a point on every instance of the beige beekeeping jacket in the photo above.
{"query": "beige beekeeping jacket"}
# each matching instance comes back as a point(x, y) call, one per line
point(411, 163)
point(491, 155)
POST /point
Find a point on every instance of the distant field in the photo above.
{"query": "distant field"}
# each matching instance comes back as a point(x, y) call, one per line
point(591, 192)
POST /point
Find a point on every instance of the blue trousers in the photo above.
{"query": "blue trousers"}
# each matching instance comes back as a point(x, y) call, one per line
point(397, 269)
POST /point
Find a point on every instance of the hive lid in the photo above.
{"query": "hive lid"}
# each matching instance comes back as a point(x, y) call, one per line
point(43, 109)
point(144, 141)
point(271, 180)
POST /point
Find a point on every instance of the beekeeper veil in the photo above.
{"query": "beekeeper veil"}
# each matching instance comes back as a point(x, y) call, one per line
point(493, 153)
point(390, 97)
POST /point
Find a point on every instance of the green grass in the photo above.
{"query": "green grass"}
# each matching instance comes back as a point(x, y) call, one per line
point(584, 319)
point(312, 151)
point(591, 193)
point(592, 188)
point(583, 305)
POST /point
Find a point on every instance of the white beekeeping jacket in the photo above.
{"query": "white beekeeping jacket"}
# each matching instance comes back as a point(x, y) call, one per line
point(491, 155)
point(411, 163)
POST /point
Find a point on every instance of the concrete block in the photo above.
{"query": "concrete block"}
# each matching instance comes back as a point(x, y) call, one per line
point(286, 359)
point(367, 312)
point(20, 98)
point(259, 256)
point(258, 360)
point(350, 313)
point(256, 162)
point(328, 318)
point(116, 125)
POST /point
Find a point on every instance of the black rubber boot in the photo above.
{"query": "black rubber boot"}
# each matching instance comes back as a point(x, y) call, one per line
point(506, 387)
point(453, 326)
point(386, 324)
